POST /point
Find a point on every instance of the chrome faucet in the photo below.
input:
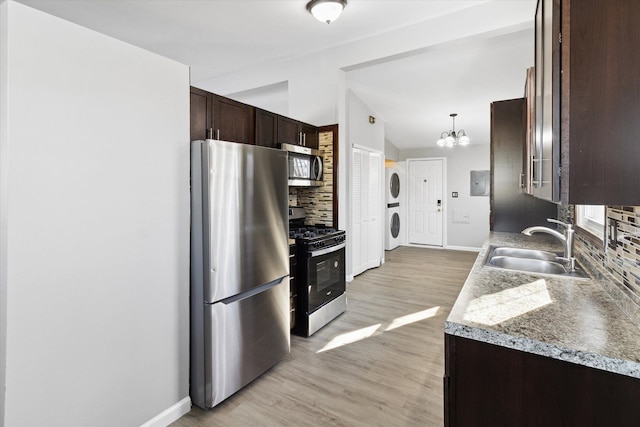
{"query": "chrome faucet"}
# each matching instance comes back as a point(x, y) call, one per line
point(566, 239)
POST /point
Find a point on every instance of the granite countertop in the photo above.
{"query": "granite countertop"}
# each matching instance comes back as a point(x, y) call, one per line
point(568, 319)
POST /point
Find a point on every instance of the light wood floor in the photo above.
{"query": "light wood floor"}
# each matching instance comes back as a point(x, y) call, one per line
point(390, 375)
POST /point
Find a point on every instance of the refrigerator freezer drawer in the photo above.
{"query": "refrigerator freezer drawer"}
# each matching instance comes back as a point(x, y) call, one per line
point(243, 339)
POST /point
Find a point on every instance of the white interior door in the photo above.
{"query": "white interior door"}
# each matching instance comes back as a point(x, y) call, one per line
point(375, 224)
point(359, 210)
point(366, 210)
point(425, 202)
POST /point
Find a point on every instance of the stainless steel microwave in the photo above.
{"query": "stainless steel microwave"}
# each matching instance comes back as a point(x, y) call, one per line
point(305, 166)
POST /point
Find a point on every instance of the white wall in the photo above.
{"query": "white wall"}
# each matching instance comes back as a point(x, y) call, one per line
point(359, 130)
point(314, 79)
point(4, 172)
point(391, 152)
point(317, 81)
point(95, 226)
point(460, 162)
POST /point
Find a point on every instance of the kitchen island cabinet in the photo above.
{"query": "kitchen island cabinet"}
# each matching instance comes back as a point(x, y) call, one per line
point(587, 89)
point(490, 385)
point(531, 349)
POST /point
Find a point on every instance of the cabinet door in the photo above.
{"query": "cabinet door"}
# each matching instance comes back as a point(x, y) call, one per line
point(288, 131)
point(266, 128)
point(601, 99)
point(201, 106)
point(232, 120)
point(511, 209)
point(293, 290)
point(309, 135)
point(489, 385)
point(546, 160)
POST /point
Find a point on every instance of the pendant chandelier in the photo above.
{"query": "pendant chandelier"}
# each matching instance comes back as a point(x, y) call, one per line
point(451, 138)
point(326, 10)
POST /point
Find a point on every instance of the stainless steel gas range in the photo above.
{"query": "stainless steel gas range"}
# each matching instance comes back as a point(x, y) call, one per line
point(320, 274)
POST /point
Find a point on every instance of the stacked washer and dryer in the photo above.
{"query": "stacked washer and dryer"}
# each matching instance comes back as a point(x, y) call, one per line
point(393, 216)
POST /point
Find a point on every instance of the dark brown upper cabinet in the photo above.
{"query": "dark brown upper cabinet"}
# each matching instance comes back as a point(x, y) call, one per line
point(294, 132)
point(288, 131)
point(512, 209)
point(216, 117)
point(587, 97)
point(266, 128)
point(201, 113)
point(232, 120)
point(309, 136)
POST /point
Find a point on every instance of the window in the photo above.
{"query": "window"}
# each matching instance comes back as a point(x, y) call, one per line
point(591, 219)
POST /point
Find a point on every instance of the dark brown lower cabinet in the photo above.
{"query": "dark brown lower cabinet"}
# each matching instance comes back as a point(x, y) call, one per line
point(293, 290)
point(490, 385)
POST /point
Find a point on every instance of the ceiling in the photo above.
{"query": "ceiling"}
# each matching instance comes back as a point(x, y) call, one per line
point(413, 93)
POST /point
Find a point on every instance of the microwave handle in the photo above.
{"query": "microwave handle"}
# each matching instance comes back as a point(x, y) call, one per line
point(316, 162)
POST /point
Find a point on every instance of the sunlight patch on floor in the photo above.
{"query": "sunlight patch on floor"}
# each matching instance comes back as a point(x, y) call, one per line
point(411, 318)
point(350, 337)
point(501, 306)
point(369, 331)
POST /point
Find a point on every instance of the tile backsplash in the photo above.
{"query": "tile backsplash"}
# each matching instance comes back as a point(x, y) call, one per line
point(318, 201)
point(619, 259)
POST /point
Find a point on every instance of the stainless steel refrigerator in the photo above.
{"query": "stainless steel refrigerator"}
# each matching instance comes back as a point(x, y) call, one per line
point(239, 266)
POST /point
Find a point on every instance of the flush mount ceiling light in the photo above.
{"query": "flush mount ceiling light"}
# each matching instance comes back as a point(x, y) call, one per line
point(451, 138)
point(326, 10)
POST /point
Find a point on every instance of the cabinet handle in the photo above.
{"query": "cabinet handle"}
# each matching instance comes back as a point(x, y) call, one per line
point(304, 139)
point(210, 133)
point(218, 134)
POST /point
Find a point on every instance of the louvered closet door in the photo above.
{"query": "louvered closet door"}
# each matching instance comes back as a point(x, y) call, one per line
point(374, 211)
point(366, 209)
point(359, 210)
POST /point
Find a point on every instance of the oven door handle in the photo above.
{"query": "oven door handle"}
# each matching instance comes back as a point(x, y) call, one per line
point(325, 251)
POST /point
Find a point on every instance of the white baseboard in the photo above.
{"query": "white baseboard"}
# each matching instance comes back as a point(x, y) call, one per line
point(350, 278)
point(463, 248)
point(448, 247)
point(170, 415)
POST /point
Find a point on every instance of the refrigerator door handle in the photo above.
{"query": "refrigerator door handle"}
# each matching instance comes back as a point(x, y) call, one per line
point(252, 292)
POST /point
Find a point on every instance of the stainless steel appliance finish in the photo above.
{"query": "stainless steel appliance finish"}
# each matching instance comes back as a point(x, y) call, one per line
point(304, 166)
point(239, 266)
point(319, 318)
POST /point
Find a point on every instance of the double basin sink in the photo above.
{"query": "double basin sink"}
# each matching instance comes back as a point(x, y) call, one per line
point(530, 260)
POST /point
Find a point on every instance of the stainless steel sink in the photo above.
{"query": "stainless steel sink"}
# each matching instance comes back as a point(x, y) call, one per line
point(525, 264)
point(524, 253)
point(530, 260)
